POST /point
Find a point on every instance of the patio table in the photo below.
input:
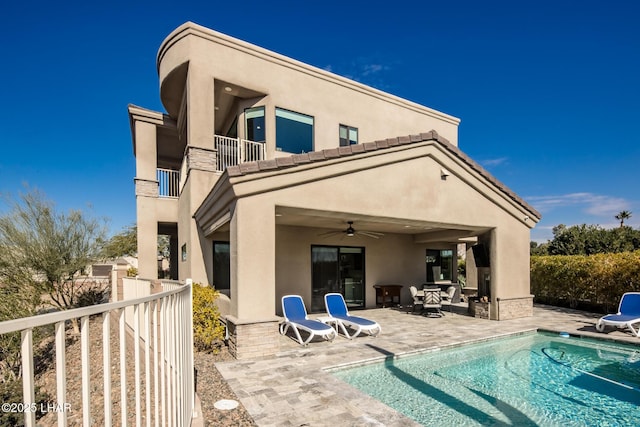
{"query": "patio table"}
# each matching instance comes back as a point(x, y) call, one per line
point(387, 294)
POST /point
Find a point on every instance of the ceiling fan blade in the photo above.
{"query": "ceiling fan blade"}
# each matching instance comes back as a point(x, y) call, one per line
point(331, 233)
point(372, 234)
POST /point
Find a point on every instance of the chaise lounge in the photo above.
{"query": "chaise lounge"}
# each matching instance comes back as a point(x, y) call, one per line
point(337, 309)
point(295, 317)
point(627, 316)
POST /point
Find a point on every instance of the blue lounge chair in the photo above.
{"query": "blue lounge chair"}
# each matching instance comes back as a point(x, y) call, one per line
point(337, 309)
point(627, 316)
point(295, 317)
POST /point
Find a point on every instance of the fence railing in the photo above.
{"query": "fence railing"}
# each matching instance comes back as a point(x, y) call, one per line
point(168, 182)
point(233, 151)
point(161, 365)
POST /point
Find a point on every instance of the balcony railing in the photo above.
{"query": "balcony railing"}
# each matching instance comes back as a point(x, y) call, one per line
point(162, 337)
point(233, 151)
point(168, 182)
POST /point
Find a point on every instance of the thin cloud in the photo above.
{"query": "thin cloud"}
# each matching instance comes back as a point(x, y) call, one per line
point(494, 162)
point(368, 69)
point(593, 204)
point(362, 69)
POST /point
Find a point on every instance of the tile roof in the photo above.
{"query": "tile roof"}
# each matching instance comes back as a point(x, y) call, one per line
point(333, 153)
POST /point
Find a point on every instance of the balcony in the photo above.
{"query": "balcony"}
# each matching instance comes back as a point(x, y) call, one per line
point(229, 152)
point(168, 182)
point(233, 151)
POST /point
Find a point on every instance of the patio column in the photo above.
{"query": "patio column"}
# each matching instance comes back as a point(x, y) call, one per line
point(146, 199)
point(200, 172)
point(200, 107)
point(252, 325)
point(510, 273)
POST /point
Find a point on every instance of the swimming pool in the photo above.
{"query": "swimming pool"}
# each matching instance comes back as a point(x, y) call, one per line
point(524, 380)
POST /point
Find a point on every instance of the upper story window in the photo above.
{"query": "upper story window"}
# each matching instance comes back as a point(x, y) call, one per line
point(294, 132)
point(348, 135)
point(254, 124)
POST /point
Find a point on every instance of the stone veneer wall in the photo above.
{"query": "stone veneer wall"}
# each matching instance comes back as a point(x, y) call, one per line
point(249, 340)
point(514, 308)
point(145, 187)
point(201, 159)
point(479, 309)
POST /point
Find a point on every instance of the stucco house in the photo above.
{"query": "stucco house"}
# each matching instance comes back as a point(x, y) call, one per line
point(275, 177)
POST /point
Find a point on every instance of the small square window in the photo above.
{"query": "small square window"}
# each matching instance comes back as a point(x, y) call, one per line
point(348, 135)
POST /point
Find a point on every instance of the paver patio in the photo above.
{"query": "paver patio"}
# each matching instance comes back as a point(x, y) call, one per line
point(293, 389)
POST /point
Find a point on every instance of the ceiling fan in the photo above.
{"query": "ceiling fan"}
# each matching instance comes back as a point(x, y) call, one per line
point(351, 232)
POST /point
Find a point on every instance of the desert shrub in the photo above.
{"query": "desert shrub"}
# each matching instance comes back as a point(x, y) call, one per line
point(11, 392)
point(208, 331)
point(16, 302)
point(93, 294)
point(132, 272)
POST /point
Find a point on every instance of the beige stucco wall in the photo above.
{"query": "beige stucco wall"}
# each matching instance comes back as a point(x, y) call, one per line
point(270, 257)
point(289, 84)
point(403, 183)
point(392, 259)
point(189, 234)
point(193, 60)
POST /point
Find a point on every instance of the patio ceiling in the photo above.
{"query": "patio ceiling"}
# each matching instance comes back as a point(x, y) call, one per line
point(424, 231)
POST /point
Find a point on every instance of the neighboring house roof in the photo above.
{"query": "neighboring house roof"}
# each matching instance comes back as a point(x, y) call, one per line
point(333, 153)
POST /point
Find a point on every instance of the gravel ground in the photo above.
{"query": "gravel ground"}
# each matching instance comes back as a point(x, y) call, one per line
point(210, 385)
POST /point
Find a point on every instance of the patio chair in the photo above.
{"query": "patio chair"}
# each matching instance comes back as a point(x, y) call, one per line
point(432, 300)
point(627, 316)
point(417, 298)
point(337, 309)
point(447, 297)
point(295, 317)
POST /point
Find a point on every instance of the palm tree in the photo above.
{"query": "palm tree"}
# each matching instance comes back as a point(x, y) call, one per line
point(622, 216)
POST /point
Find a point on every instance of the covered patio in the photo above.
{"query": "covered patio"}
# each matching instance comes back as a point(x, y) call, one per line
point(348, 219)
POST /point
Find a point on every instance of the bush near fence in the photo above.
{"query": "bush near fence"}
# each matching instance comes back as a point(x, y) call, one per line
point(593, 282)
point(208, 331)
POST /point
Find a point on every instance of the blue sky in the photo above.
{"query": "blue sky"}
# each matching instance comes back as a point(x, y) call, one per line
point(548, 91)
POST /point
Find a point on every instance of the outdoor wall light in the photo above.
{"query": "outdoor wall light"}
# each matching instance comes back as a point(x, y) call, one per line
point(444, 174)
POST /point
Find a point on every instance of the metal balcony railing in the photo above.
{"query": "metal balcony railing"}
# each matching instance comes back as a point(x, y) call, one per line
point(233, 151)
point(168, 182)
point(161, 326)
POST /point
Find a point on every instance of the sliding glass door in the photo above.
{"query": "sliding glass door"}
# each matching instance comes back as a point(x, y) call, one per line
point(337, 269)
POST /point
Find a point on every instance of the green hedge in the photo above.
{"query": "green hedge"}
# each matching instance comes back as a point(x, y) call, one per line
point(598, 280)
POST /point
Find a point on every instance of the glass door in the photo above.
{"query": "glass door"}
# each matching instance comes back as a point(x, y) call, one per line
point(337, 269)
point(254, 124)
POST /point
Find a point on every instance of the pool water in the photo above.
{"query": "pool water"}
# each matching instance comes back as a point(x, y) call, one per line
point(525, 380)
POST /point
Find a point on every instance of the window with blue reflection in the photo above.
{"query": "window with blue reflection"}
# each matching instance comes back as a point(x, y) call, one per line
point(294, 132)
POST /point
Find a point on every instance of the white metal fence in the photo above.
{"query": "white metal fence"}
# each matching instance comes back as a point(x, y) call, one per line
point(162, 346)
point(233, 151)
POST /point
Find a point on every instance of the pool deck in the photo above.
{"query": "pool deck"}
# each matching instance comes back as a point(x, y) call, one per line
point(294, 389)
